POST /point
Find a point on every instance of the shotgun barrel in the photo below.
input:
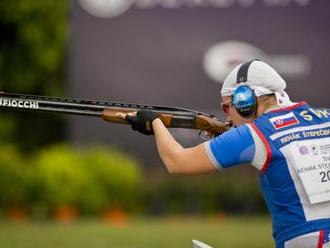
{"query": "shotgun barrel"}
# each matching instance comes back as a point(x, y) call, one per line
point(172, 117)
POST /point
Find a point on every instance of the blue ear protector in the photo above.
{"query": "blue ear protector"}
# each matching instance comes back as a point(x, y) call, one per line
point(243, 98)
point(244, 101)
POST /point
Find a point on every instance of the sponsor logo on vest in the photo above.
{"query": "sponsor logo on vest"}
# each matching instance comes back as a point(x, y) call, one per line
point(4, 102)
point(303, 150)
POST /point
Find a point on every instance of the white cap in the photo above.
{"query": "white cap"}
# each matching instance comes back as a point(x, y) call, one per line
point(262, 78)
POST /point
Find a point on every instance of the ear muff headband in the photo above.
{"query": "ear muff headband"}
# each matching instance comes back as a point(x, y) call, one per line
point(242, 73)
point(243, 98)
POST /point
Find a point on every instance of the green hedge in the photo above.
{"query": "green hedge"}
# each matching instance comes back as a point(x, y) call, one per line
point(98, 178)
point(89, 179)
point(230, 191)
point(58, 178)
point(117, 177)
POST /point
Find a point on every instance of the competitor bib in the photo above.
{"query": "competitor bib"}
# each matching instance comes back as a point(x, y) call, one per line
point(311, 159)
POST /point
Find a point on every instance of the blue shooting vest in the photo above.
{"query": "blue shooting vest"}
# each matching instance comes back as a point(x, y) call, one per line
point(291, 210)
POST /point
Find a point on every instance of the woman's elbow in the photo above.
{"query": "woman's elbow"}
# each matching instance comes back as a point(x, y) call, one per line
point(174, 171)
point(171, 167)
point(179, 168)
point(173, 162)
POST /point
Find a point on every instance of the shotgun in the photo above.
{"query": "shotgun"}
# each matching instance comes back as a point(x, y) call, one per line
point(172, 117)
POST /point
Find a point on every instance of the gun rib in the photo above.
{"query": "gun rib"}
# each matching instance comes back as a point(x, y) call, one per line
point(82, 107)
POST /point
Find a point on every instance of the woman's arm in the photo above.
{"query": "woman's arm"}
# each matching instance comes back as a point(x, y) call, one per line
point(229, 149)
point(179, 160)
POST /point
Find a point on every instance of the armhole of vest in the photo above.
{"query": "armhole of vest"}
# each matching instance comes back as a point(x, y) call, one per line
point(267, 145)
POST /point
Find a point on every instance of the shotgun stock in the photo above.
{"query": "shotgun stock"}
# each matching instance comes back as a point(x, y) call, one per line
point(172, 117)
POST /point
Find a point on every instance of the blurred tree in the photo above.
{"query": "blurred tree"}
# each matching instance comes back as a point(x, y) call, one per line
point(32, 44)
point(13, 179)
point(33, 37)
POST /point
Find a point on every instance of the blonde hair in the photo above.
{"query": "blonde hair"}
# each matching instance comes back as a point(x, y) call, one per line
point(267, 100)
